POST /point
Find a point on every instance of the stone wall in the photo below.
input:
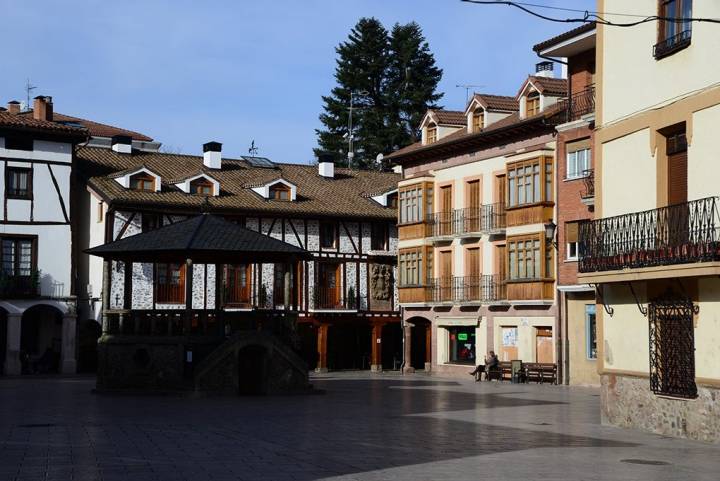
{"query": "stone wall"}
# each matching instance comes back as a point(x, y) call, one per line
point(628, 402)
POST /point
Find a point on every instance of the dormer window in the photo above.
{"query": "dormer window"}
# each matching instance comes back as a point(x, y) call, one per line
point(392, 200)
point(202, 186)
point(532, 104)
point(431, 133)
point(142, 181)
point(280, 192)
point(478, 121)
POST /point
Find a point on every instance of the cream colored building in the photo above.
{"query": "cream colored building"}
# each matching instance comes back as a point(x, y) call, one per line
point(654, 248)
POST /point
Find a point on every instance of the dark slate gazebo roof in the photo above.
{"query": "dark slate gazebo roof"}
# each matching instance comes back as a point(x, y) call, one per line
point(204, 239)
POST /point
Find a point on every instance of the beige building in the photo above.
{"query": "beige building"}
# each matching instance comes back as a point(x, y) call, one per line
point(476, 272)
point(654, 249)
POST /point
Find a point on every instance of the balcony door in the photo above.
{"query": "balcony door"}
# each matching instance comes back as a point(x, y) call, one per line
point(446, 279)
point(473, 203)
point(328, 288)
point(676, 226)
point(472, 274)
point(238, 281)
point(446, 210)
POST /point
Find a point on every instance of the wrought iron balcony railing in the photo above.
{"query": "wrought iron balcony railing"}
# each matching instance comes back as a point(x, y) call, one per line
point(486, 288)
point(672, 44)
point(489, 218)
point(589, 181)
point(575, 106)
point(331, 298)
point(19, 287)
point(677, 234)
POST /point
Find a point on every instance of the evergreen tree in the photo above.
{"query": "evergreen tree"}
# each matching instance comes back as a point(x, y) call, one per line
point(392, 79)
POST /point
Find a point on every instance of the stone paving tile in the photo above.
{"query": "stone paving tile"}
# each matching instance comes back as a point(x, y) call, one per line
point(365, 427)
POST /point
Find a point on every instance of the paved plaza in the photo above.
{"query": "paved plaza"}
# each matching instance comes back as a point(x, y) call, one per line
point(369, 427)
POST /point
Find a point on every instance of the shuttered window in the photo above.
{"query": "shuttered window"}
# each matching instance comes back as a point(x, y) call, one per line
point(677, 168)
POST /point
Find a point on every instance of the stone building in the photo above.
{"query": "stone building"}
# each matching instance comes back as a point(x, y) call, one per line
point(347, 305)
point(652, 249)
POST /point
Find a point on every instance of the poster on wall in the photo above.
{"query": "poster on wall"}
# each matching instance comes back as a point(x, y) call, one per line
point(509, 336)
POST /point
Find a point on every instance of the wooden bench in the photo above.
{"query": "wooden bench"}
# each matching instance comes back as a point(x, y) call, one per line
point(541, 372)
point(503, 372)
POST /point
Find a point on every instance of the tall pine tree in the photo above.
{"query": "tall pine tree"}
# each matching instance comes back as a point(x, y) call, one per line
point(392, 78)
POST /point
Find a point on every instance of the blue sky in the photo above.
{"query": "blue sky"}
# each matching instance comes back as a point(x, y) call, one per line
point(188, 71)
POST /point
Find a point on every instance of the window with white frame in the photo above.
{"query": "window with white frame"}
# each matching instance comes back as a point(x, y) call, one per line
point(590, 332)
point(571, 241)
point(578, 160)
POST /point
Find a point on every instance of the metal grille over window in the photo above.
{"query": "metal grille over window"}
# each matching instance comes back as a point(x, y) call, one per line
point(672, 346)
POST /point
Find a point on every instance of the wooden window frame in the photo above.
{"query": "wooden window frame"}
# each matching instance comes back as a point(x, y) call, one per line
point(10, 191)
point(145, 222)
point(532, 99)
point(379, 229)
point(169, 295)
point(202, 183)
point(410, 261)
point(275, 192)
point(321, 234)
point(478, 119)
point(140, 180)
point(545, 260)
point(244, 291)
point(33, 239)
point(546, 182)
point(432, 134)
point(667, 30)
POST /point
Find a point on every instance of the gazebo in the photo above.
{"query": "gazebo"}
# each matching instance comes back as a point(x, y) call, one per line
point(198, 342)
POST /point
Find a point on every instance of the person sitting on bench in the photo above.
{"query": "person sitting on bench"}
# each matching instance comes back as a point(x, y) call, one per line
point(491, 362)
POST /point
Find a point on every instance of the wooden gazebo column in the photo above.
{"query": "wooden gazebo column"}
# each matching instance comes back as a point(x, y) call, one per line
point(107, 272)
point(187, 322)
point(322, 338)
point(376, 348)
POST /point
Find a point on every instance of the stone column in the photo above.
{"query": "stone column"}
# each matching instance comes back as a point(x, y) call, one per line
point(12, 352)
point(322, 334)
point(69, 336)
point(407, 351)
point(376, 348)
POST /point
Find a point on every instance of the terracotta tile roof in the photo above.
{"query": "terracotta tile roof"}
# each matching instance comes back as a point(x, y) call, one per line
point(544, 45)
point(27, 121)
point(449, 117)
point(497, 102)
point(547, 85)
point(342, 196)
point(96, 128)
point(462, 134)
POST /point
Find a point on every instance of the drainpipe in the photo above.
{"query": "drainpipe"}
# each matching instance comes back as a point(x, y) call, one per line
point(566, 346)
point(402, 335)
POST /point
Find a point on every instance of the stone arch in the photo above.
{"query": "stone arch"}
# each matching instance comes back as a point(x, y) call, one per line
point(418, 343)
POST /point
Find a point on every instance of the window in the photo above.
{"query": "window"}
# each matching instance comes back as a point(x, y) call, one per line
point(571, 238)
point(578, 162)
point(411, 205)
point(525, 259)
point(170, 283)
point(525, 182)
point(17, 256)
point(532, 104)
point(237, 281)
point(431, 134)
point(462, 345)
point(279, 271)
point(328, 235)
point(478, 120)
point(392, 201)
point(280, 192)
point(673, 35)
point(19, 143)
point(150, 221)
point(379, 236)
point(202, 186)
point(410, 267)
point(590, 332)
point(142, 181)
point(100, 212)
point(18, 183)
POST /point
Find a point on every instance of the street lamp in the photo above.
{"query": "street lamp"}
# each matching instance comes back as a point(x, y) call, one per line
point(550, 228)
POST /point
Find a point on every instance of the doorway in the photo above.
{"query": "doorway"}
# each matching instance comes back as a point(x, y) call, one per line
point(328, 291)
point(391, 346)
point(348, 346)
point(544, 345)
point(41, 340)
point(252, 368)
point(420, 343)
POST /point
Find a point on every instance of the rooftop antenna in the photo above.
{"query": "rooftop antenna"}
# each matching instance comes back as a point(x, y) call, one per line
point(253, 150)
point(28, 91)
point(467, 88)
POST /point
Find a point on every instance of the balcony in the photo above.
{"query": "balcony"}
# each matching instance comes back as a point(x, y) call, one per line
point(331, 299)
point(465, 290)
point(587, 196)
point(468, 222)
point(672, 44)
point(575, 107)
point(679, 234)
point(19, 287)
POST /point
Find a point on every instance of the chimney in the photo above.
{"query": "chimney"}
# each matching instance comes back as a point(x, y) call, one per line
point(326, 166)
point(122, 144)
point(544, 69)
point(212, 155)
point(43, 108)
point(13, 107)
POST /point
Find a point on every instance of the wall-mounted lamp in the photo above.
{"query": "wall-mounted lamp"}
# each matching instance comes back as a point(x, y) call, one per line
point(550, 229)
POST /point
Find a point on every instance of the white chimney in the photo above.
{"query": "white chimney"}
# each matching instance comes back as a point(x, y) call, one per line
point(326, 166)
point(212, 155)
point(121, 144)
point(544, 69)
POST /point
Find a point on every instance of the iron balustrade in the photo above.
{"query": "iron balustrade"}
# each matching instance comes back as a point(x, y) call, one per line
point(677, 234)
point(19, 287)
point(483, 288)
point(332, 298)
point(574, 107)
point(672, 44)
point(589, 181)
point(488, 218)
